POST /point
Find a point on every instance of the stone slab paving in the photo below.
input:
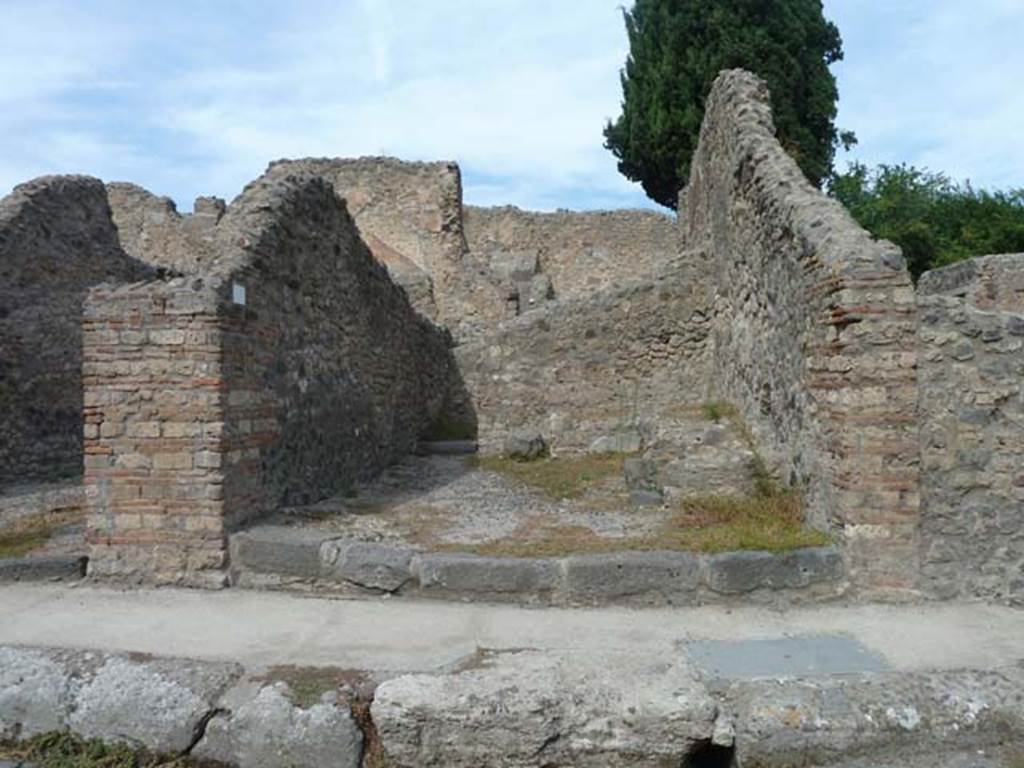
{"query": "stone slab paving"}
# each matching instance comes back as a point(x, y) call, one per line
point(465, 685)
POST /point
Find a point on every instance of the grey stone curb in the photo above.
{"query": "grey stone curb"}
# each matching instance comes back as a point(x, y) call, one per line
point(210, 710)
point(644, 578)
point(43, 568)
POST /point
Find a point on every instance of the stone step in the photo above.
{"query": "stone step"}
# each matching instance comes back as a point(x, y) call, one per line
point(43, 568)
point(279, 556)
point(446, 447)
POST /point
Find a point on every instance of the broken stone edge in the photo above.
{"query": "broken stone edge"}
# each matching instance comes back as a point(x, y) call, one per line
point(172, 706)
point(276, 556)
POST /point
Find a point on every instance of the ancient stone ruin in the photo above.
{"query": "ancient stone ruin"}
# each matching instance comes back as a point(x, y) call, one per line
point(201, 375)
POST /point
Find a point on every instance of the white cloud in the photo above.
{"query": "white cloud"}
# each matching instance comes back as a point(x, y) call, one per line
point(197, 97)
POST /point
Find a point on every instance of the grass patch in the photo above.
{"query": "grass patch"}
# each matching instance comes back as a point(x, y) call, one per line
point(719, 410)
point(61, 749)
point(309, 684)
point(722, 523)
point(706, 524)
point(566, 477)
point(28, 533)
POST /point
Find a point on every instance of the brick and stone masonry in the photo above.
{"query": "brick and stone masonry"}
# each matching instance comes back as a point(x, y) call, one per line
point(285, 371)
point(813, 334)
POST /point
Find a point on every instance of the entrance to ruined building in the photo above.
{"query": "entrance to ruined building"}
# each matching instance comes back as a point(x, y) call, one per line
point(704, 754)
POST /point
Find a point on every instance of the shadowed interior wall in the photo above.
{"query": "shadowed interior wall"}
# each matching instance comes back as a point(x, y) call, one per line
point(56, 240)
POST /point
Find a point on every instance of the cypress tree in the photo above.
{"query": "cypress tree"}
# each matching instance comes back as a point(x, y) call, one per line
point(678, 47)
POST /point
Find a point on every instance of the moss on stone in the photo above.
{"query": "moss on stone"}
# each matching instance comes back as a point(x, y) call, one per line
point(566, 477)
point(29, 533)
point(62, 749)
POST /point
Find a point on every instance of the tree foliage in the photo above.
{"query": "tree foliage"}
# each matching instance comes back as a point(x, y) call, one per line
point(933, 219)
point(678, 47)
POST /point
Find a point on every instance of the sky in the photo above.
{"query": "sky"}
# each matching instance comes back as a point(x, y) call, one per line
point(195, 97)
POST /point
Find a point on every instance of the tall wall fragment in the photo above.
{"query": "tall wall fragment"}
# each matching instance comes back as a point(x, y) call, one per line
point(814, 334)
point(56, 240)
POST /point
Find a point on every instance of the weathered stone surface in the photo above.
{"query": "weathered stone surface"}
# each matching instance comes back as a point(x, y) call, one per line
point(36, 693)
point(970, 401)
point(739, 572)
point(644, 577)
point(160, 704)
point(824, 721)
point(262, 728)
point(623, 442)
point(374, 566)
point(473, 575)
point(293, 552)
point(514, 710)
point(525, 446)
point(43, 568)
point(579, 252)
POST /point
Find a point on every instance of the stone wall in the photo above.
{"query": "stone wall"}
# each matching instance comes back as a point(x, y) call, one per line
point(579, 369)
point(814, 334)
point(288, 369)
point(151, 229)
point(410, 215)
point(972, 428)
point(56, 239)
point(580, 253)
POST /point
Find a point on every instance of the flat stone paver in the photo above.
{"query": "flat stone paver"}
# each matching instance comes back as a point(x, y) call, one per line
point(811, 655)
point(261, 628)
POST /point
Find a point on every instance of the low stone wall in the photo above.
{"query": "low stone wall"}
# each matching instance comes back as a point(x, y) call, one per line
point(581, 252)
point(151, 229)
point(972, 428)
point(813, 336)
point(289, 369)
point(56, 240)
point(580, 369)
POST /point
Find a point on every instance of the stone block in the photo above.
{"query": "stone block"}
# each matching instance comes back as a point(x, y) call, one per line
point(623, 442)
point(641, 577)
point(472, 575)
point(734, 573)
point(525, 446)
point(43, 568)
point(447, 447)
point(531, 708)
point(158, 704)
point(374, 566)
point(262, 728)
point(278, 550)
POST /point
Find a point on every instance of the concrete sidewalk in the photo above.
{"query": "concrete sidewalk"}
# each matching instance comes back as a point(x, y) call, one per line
point(258, 629)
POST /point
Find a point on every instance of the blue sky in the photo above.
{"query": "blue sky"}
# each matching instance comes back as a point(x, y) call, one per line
point(195, 97)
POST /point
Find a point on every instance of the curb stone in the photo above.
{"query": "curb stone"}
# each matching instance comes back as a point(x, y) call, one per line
point(628, 577)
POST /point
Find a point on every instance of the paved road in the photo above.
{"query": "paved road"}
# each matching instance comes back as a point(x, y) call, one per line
point(264, 628)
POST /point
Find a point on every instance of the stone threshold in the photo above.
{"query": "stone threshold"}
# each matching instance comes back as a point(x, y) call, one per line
point(283, 557)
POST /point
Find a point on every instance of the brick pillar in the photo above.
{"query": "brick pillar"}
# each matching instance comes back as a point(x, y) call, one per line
point(154, 428)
